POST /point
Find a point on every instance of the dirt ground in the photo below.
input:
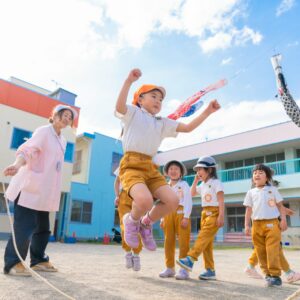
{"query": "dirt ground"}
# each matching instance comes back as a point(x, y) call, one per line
point(94, 271)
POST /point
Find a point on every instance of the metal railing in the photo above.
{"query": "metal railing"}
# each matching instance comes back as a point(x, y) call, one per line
point(283, 167)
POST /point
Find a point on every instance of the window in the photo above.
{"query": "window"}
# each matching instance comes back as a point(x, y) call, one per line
point(19, 137)
point(196, 218)
point(275, 157)
point(69, 154)
point(235, 219)
point(3, 205)
point(77, 162)
point(116, 157)
point(81, 211)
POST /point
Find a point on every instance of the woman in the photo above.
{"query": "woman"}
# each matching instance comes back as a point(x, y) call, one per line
point(35, 190)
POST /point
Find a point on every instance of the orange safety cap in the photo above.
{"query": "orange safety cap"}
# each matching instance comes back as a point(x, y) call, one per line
point(146, 88)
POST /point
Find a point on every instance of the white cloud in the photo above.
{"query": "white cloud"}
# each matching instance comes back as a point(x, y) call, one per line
point(231, 119)
point(220, 40)
point(284, 6)
point(226, 61)
point(293, 44)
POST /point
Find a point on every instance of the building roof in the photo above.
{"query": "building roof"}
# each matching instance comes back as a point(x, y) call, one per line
point(270, 135)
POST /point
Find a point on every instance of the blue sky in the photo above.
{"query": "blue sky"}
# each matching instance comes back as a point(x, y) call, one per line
point(90, 46)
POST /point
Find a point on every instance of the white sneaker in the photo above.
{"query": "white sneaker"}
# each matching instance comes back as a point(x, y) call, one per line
point(168, 272)
point(136, 263)
point(293, 276)
point(182, 275)
point(252, 273)
point(128, 259)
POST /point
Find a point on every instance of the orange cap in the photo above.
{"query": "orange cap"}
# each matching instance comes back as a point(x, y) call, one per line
point(146, 88)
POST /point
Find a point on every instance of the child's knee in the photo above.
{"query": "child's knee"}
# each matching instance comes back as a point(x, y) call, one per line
point(144, 203)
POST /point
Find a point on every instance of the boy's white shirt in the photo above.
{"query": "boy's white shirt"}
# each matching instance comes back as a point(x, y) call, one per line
point(208, 192)
point(182, 190)
point(143, 132)
point(263, 202)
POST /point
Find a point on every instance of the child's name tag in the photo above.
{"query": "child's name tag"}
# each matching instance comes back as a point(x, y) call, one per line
point(269, 225)
point(208, 213)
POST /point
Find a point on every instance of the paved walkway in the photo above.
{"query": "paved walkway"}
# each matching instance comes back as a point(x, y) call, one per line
point(89, 271)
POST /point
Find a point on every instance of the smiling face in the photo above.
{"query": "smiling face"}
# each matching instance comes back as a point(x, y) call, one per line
point(63, 118)
point(151, 101)
point(174, 172)
point(259, 178)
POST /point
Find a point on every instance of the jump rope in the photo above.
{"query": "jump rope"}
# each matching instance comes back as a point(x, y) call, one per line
point(35, 274)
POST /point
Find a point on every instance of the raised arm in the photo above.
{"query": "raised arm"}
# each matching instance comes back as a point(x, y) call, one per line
point(134, 75)
point(194, 186)
point(211, 108)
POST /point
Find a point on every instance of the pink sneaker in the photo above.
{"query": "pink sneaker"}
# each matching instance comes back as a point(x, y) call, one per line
point(293, 276)
point(136, 263)
point(128, 260)
point(252, 273)
point(168, 272)
point(147, 237)
point(131, 231)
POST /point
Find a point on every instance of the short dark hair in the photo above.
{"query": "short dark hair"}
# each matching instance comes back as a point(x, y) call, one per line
point(269, 172)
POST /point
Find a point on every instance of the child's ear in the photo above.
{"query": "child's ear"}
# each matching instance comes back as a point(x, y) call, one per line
point(140, 99)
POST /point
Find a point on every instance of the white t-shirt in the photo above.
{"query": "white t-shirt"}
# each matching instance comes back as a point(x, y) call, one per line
point(263, 202)
point(182, 189)
point(143, 132)
point(209, 190)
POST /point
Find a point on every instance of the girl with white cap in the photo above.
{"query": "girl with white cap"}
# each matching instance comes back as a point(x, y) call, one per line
point(35, 190)
point(212, 216)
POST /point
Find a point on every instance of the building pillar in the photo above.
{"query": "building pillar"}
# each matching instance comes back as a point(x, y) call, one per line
point(290, 154)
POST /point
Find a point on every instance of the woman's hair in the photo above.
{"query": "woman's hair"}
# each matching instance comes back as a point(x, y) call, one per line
point(60, 114)
point(268, 171)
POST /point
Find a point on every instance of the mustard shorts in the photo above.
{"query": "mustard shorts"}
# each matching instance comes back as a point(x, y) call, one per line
point(139, 168)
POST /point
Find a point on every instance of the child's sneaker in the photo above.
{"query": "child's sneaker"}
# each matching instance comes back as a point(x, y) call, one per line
point(273, 281)
point(208, 275)
point(128, 259)
point(293, 277)
point(131, 231)
point(252, 273)
point(18, 270)
point(168, 272)
point(136, 263)
point(185, 263)
point(147, 237)
point(182, 275)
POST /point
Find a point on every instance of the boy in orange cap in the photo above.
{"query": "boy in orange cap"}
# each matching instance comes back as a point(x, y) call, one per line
point(142, 135)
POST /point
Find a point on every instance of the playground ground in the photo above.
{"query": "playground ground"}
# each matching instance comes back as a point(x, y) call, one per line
point(96, 271)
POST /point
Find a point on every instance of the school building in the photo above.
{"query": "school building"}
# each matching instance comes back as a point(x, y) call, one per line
point(23, 108)
point(278, 146)
point(91, 210)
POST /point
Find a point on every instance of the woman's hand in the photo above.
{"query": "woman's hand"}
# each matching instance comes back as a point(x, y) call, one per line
point(11, 170)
